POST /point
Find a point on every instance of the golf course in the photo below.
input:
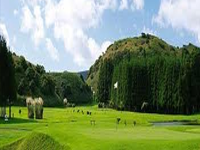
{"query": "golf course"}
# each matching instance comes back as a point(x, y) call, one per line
point(65, 128)
point(99, 75)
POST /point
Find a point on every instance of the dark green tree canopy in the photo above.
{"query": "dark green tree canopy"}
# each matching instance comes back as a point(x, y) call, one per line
point(151, 73)
point(7, 75)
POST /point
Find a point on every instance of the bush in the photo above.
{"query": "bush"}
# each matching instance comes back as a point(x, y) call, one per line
point(30, 106)
point(101, 105)
point(71, 105)
point(143, 35)
point(65, 101)
point(35, 105)
point(38, 108)
point(21, 101)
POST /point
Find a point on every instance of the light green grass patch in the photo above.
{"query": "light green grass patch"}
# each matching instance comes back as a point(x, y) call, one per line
point(74, 130)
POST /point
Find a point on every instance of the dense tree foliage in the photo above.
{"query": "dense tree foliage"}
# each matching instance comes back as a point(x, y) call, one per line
point(7, 77)
point(153, 80)
point(32, 80)
point(104, 88)
point(73, 87)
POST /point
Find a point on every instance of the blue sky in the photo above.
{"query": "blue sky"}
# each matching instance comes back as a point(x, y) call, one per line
point(71, 35)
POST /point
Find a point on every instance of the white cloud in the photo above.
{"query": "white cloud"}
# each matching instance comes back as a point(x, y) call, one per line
point(33, 23)
point(39, 27)
point(4, 32)
point(137, 4)
point(32, 3)
point(71, 21)
point(123, 4)
point(52, 50)
point(105, 45)
point(134, 4)
point(14, 39)
point(106, 4)
point(73, 12)
point(149, 31)
point(96, 49)
point(27, 20)
point(35, 2)
point(180, 15)
point(15, 12)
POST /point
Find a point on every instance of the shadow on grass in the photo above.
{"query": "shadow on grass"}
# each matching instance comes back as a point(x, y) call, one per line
point(16, 121)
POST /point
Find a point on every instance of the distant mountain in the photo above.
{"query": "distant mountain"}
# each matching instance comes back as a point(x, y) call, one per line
point(84, 74)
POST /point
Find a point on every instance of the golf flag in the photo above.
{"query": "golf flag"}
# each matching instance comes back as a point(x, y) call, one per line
point(116, 85)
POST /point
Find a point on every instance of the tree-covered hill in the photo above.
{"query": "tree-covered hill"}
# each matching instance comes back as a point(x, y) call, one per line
point(32, 80)
point(72, 86)
point(124, 49)
point(151, 75)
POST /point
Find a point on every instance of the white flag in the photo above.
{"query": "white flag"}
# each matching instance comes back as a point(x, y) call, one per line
point(116, 85)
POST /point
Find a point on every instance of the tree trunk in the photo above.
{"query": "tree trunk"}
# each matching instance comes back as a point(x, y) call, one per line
point(3, 111)
point(9, 111)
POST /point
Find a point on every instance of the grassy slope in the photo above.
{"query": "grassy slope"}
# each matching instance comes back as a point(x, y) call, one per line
point(124, 45)
point(35, 141)
point(74, 130)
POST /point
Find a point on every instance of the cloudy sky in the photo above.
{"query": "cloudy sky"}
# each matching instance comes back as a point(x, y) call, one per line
point(71, 34)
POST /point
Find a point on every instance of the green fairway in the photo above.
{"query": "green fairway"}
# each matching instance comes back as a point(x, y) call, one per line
point(62, 128)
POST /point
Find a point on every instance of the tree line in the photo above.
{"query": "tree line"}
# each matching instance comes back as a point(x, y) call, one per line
point(151, 81)
point(20, 79)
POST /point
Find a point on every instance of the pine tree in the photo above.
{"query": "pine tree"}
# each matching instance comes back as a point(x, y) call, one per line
point(7, 78)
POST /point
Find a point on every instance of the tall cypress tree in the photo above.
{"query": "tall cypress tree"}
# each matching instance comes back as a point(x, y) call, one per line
point(104, 82)
point(7, 78)
point(168, 80)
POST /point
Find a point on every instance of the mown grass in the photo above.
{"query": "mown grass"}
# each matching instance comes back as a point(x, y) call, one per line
point(73, 130)
point(35, 141)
